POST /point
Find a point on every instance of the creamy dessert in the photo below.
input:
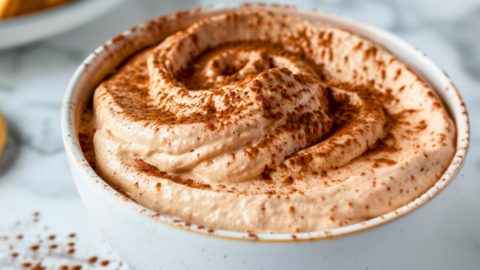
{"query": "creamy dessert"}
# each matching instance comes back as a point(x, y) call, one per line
point(263, 122)
point(15, 8)
point(3, 134)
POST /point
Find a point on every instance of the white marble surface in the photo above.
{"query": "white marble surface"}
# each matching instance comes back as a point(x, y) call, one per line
point(34, 175)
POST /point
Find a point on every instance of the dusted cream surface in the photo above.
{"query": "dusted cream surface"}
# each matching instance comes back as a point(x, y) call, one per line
point(217, 129)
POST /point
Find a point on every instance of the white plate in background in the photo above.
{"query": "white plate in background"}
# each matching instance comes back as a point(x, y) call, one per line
point(28, 28)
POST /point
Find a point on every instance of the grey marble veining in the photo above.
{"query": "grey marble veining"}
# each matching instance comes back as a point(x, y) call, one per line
point(34, 174)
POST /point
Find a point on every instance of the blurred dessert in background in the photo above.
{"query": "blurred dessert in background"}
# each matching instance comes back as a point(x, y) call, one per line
point(3, 133)
point(14, 8)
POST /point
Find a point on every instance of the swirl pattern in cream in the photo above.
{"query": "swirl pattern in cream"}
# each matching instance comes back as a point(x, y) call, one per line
point(266, 122)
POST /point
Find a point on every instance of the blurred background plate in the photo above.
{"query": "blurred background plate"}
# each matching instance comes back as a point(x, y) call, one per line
point(28, 28)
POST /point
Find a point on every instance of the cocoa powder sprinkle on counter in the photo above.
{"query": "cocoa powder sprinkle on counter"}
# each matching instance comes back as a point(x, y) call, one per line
point(93, 259)
point(34, 248)
point(39, 249)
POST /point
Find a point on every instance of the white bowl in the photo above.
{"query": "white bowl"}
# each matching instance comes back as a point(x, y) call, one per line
point(28, 28)
point(147, 240)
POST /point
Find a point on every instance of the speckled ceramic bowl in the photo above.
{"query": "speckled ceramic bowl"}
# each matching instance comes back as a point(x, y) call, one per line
point(147, 240)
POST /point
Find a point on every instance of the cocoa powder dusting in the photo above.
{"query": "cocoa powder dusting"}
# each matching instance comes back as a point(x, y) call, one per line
point(360, 119)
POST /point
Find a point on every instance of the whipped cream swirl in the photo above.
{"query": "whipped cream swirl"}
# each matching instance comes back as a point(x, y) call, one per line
point(236, 119)
point(224, 106)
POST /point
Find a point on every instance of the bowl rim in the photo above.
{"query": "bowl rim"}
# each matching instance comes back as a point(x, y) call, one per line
point(458, 113)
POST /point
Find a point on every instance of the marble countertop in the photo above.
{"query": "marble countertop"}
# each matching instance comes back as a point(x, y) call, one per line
point(37, 194)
